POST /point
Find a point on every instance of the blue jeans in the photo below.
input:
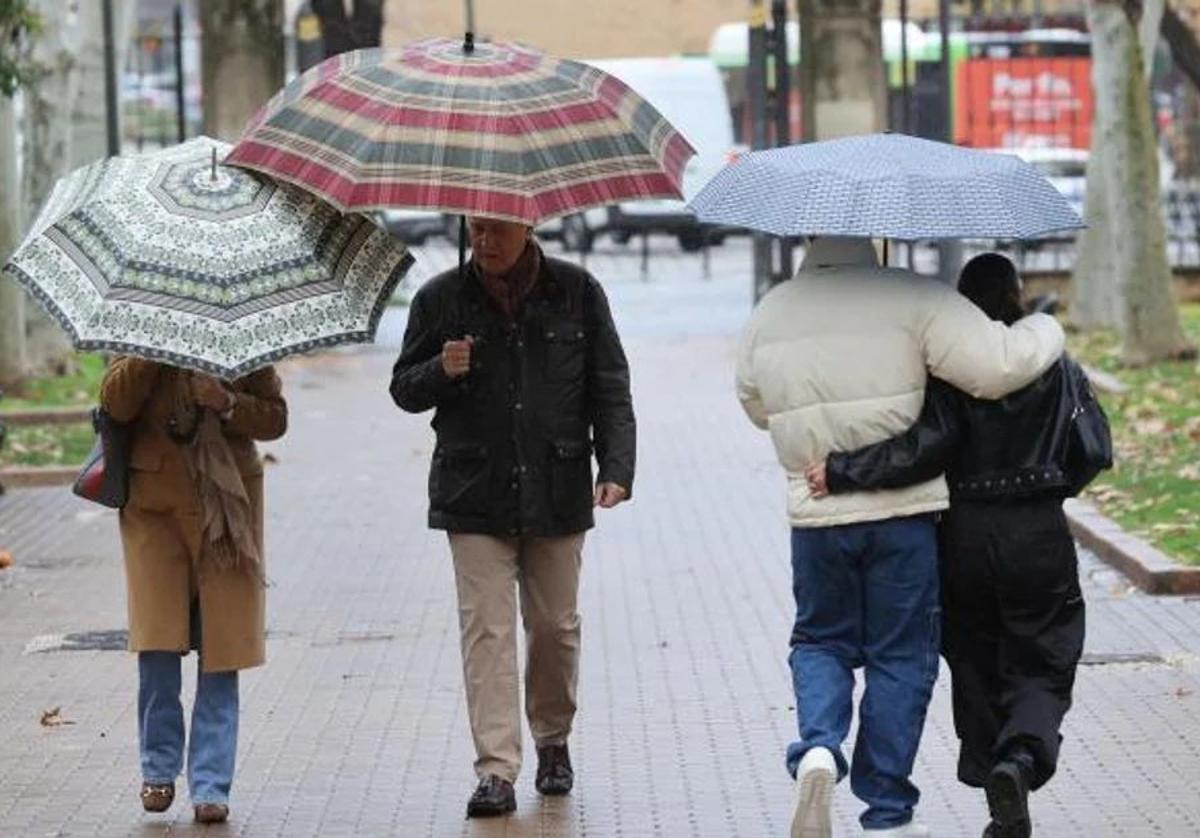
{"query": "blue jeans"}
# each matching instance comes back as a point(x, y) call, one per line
point(213, 745)
point(866, 596)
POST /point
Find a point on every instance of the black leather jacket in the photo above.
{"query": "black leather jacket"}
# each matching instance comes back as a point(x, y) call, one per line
point(1013, 447)
point(515, 435)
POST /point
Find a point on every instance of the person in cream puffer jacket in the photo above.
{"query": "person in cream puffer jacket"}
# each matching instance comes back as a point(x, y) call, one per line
point(838, 357)
point(835, 359)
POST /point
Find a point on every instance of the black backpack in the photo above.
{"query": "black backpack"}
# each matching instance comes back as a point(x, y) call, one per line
point(1088, 449)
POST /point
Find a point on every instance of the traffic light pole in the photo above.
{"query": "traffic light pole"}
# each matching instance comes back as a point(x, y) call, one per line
point(756, 103)
point(783, 111)
point(110, 82)
point(950, 251)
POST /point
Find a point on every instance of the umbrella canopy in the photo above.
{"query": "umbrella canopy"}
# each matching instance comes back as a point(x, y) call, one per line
point(489, 129)
point(888, 186)
point(170, 257)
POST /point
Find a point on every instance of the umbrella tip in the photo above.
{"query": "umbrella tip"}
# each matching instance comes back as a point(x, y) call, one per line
point(469, 43)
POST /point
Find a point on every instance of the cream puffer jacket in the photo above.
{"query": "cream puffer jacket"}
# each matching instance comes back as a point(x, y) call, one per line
point(837, 358)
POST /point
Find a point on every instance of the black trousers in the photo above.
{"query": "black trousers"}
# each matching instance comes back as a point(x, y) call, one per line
point(1013, 626)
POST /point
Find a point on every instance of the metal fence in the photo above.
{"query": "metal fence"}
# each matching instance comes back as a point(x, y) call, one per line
point(160, 83)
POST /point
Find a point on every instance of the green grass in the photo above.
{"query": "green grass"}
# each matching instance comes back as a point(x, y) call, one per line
point(52, 445)
point(1153, 490)
point(47, 445)
point(79, 389)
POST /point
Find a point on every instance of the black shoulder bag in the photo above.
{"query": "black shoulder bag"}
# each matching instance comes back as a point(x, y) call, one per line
point(1089, 449)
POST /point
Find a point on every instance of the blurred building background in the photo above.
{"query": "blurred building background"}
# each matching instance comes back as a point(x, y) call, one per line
point(1020, 69)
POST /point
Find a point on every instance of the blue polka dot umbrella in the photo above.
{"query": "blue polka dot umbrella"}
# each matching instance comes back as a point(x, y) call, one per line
point(888, 186)
point(171, 257)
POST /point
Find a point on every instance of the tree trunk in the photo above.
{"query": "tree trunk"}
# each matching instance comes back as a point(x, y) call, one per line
point(846, 79)
point(1148, 318)
point(1094, 280)
point(47, 127)
point(242, 56)
point(1148, 30)
point(12, 297)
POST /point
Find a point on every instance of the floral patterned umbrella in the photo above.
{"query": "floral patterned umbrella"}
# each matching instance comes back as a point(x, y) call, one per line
point(171, 257)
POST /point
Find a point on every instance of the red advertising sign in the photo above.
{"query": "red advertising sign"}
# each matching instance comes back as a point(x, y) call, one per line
point(1024, 102)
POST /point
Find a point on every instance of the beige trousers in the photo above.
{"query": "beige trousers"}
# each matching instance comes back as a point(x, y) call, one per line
point(488, 572)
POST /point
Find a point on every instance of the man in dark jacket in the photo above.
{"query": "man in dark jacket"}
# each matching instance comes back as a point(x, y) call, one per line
point(1012, 608)
point(520, 360)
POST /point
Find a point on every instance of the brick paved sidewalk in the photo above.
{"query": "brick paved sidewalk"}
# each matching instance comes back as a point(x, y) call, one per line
point(357, 726)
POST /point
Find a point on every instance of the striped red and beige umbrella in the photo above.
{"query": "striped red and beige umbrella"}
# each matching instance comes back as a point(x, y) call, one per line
point(474, 129)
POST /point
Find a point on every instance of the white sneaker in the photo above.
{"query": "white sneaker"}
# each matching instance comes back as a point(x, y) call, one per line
point(815, 779)
point(912, 829)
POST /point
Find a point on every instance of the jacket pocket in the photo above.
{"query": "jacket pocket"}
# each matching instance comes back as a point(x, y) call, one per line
point(564, 351)
point(458, 483)
point(571, 490)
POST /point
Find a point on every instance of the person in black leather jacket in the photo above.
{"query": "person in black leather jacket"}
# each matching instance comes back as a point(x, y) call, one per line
point(1013, 613)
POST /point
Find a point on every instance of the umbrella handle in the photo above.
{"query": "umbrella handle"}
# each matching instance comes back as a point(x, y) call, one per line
point(469, 43)
point(462, 246)
point(213, 176)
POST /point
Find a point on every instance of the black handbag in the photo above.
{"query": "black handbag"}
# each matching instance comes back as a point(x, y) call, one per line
point(104, 478)
point(1089, 448)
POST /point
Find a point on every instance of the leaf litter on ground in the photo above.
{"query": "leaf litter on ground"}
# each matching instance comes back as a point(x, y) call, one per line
point(54, 718)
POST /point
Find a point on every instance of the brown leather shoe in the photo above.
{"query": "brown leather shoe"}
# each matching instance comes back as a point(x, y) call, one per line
point(211, 813)
point(492, 798)
point(554, 773)
point(157, 797)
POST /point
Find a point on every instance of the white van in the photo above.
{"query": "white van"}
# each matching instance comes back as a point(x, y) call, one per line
point(690, 93)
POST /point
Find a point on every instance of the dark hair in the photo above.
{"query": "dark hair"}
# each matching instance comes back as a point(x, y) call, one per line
point(990, 281)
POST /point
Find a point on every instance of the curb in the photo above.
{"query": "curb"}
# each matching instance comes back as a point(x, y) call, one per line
point(32, 477)
point(46, 416)
point(1146, 566)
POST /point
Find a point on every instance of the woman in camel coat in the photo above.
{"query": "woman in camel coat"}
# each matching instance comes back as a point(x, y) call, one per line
point(193, 540)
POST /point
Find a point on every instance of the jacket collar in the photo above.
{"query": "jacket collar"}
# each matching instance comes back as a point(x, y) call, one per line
point(839, 251)
point(546, 291)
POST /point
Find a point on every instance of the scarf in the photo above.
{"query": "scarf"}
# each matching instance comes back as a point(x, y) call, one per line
point(228, 539)
point(509, 290)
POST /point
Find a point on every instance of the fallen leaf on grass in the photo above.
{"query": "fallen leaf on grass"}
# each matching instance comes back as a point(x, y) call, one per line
point(1150, 427)
point(54, 718)
point(1108, 494)
point(6, 559)
point(1146, 409)
point(1191, 427)
point(1191, 472)
point(1169, 529)
point(1166, 392)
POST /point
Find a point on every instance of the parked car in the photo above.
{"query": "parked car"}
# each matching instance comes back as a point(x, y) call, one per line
point(414, 226)
point(691, 94)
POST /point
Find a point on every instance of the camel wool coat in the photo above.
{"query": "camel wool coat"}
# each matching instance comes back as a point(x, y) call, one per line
point(161, 524)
